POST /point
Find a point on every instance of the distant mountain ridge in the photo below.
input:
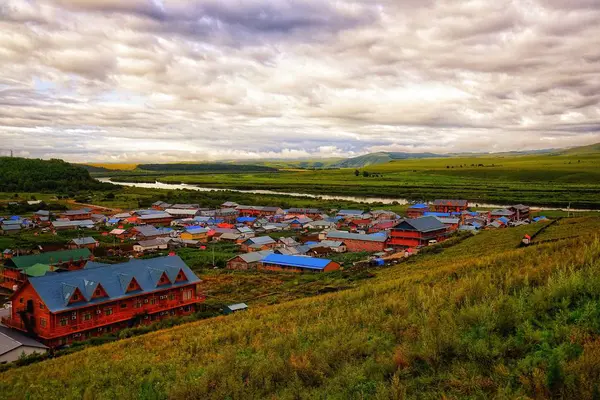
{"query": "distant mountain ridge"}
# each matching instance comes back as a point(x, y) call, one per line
point(381, 158)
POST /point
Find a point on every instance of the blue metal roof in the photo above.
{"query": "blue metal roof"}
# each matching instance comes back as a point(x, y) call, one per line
point(436, 214)
point(246, 219)
point(420, 205)
point(296, 261)
point(504, 220)
point(56, 289)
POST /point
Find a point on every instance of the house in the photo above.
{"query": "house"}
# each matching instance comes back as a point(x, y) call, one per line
point(76, 215)
point(335, 245)
point(120, 233)
point(14, 344)
point(309, 212)
point(359, 242)
point(361, 224)
point(186, 206)
point(246, 231)
point(247, 261)
point(87, 241)
point(351, 213)
point(182, 212)
point(258, 211)
point(503, 212)
point(159, 218)
point(146, 232)
point(9, 229)
point(450, 205)
point(229, 204)
point(258, 243)
point(62, 308)
point(381, 226)
point(415, 232)
point(521, 212)
point(230, 309)
point(280, 262)
point(287, 242)
point(451, 223)
point(384, 215)
point(151, 245)
point(320, 224)
point(41, 216)
point(200, 234)
point(62, 225)
point(160, 205)
point(298, 250)
point(229, 237)
point(417, 210)
point(16, 269)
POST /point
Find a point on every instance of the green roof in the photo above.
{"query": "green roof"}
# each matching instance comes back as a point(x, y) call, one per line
point(37, 270)
point(49, 258)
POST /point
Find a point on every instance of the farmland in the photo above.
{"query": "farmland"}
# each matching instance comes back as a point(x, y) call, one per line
point(544, 179)
point(482, 318)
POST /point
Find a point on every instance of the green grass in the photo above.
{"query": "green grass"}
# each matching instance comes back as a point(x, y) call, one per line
point(480, 319)
point(548, 179)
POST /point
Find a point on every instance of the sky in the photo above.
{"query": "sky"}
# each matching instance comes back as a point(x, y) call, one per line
point(186, 80)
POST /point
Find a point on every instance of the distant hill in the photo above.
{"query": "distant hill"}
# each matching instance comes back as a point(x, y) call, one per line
point(35, 175)
point(590, 149)
point(206, 167)
point(381, 158)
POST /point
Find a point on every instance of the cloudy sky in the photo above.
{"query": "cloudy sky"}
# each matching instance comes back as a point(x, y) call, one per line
point(164, 80)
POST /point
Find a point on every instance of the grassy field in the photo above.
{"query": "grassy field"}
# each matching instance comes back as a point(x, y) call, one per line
point(481, 319)
point(547, 179)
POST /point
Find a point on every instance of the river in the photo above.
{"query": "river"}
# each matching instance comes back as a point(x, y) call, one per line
point(356, 199)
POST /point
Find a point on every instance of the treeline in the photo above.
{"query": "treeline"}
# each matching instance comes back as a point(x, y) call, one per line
point(207, 167)
point(35, 175)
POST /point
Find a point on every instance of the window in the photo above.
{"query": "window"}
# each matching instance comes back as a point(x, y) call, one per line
point(87, 316)
point(75, 297)
point(43, 322)
point(21, 300)
point(123, 305)
point(42, 306)
point(137, 304)
point(153, 300)
point(171, 296)
point(64, 321)
point(74, 315)
point(187, 295)
point(108, 311)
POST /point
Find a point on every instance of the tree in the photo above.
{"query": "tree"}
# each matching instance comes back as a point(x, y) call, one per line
point(365, 174)
point(356, 172)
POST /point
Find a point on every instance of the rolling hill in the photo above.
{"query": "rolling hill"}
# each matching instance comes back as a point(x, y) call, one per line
point(381, 158)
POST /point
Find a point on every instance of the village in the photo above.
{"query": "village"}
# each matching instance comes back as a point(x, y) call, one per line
point(128, 272)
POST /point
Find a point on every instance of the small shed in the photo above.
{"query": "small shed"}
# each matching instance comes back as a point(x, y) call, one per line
point(230, 309)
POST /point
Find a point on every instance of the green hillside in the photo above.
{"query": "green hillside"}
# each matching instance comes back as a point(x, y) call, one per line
point(482, 319)
point(35, 175)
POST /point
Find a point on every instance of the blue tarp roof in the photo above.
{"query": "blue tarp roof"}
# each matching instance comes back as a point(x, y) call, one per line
point(420, 205)
point(476, 225)
point(56, 289)
point(504, 220)
point(246, 219)
point(114, 220)
point(297, 261)
point(15, 218)
point(436, 214)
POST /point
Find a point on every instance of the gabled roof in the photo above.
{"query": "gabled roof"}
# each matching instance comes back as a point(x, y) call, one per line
point(260, 240)
point(451, 202)
point(355, 236)
point(154, 216)
point(55, 288)
point(350, 212)
point(182, 211)
point(237, 307)
point(422, 224)
point(11, 339)
point(37, 270)
point(84, 241)
point(147, 230)
point(296, 261)
point(295, 210)
point(502, 212)
point(65, 224)
point(419, 206)
point(254, 256)
point(50, 258)
point(42, 212)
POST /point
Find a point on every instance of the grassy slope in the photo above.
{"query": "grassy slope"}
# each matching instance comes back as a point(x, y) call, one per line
point(479, 319)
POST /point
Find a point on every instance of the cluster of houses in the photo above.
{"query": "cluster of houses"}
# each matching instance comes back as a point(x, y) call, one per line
point(64, 295)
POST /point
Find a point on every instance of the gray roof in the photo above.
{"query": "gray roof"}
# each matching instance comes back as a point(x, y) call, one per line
point(351, 212)
point(328, 243)
point(153, 242)
point(254, 256)
point(76, 212)
point(42, 212)
point(502, 211)
point(154, 216)
point(84, 241)
point(11, 339)
point(295, 210)
point(238, 306)
point(65, 224)
point(355, 236)
point(56, 290)
point(148, 230)
point(422, 224)
point(8, 227)
point(446, 220)
point(230, 236)
point(260, 240)
point(450, 202)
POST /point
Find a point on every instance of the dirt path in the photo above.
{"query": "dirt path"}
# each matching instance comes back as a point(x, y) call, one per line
point(94, 206)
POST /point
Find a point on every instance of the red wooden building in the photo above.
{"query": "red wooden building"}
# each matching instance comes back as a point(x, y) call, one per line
point(359, 242)
point(61, 308)
point(448, 206)
point(417, 232)
point(258, 211)
point(77, 215)
point(417, 210)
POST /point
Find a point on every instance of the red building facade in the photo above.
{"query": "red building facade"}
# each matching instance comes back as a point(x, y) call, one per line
point(358, 242)
point(61, 308)
point(417, 232)
point(448, 206)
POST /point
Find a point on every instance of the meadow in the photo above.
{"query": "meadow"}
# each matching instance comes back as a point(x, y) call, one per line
point(484, 318)
point(546, 180)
